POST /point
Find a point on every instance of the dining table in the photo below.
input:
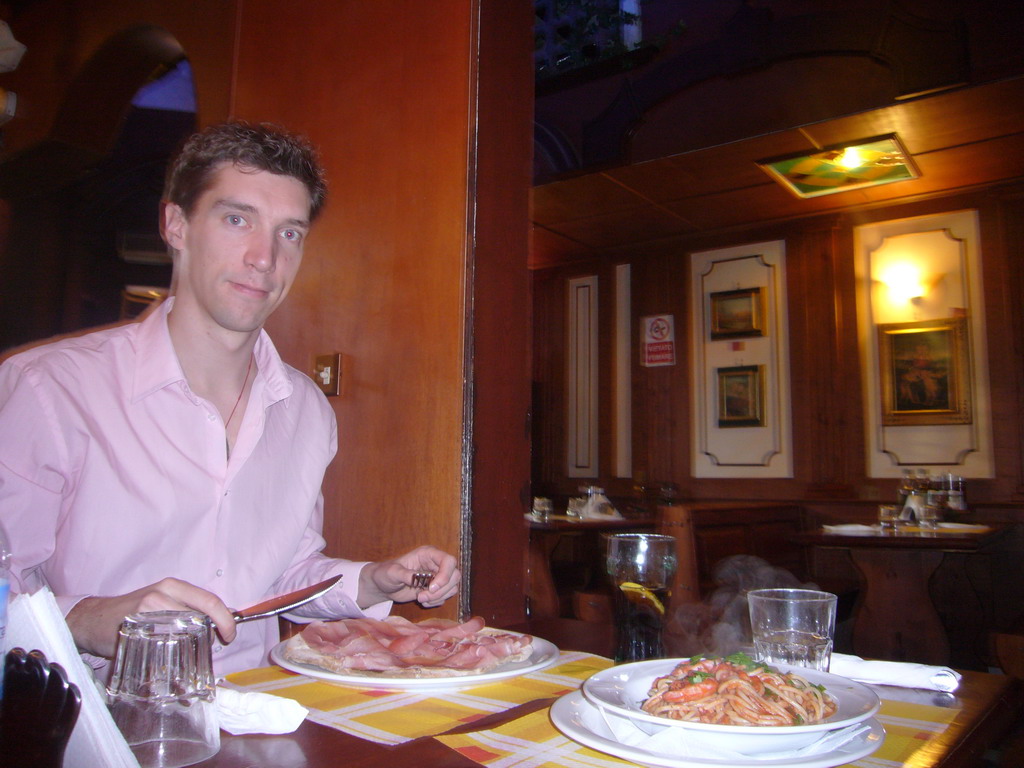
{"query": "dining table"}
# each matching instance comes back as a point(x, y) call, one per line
point(895, 616)
point(924, 729)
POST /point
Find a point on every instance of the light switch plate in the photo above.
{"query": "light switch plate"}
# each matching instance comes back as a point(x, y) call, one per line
point(327, 373)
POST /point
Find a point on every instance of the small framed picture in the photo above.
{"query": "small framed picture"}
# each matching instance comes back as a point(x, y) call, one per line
point(737, 314)
point(741, 396)
point(924, 371)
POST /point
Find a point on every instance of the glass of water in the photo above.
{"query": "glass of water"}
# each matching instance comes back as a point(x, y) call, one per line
point(793, 626)
point(928, 518)
point(888, 516)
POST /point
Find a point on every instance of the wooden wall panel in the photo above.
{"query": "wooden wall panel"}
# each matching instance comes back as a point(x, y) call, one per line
point(383, 94)
point(661, 395)
point(823, 350)
point(1002, 242)
point(501, 312)
point(419, 262)
point(548, 401)
point(830, 476)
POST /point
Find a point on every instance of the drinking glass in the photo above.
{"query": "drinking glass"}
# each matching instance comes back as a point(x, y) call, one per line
point(929, 516)
point(793, 626)
point(888, 514)
point(161, 694)
point(640, 566)
point(542, 509)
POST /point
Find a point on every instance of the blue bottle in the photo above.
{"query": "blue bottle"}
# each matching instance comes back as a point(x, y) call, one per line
point(5, 591)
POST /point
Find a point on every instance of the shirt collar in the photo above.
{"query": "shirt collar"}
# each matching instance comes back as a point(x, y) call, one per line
point(157, 366)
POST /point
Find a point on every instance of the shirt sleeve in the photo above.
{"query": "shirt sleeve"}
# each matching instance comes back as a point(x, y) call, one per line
point(312, 566)
point(32, 478)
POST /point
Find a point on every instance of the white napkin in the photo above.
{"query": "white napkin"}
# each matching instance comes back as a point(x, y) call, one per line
point(36, 623)
point(598, 507)
point(969, 527)
point(687, 743)
point(253, 712)
point(849, 528)
point(901, 673)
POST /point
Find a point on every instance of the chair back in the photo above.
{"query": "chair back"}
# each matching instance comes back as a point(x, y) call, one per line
point(38, 711)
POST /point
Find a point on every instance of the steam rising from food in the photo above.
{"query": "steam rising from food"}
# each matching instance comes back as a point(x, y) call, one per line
point(720, 625)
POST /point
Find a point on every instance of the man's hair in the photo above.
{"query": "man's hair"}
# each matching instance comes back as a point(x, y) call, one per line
point(261, 147)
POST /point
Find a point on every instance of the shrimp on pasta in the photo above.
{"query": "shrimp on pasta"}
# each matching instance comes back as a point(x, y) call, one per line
point(737, 691)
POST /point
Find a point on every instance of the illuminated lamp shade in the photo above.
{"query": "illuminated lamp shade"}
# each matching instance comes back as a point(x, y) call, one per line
point(841, 168)
point(904, 282)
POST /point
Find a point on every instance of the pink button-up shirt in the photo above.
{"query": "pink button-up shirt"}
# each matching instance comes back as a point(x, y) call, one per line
point(114, 474)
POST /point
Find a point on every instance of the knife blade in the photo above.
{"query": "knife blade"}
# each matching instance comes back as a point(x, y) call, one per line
point(285, 602)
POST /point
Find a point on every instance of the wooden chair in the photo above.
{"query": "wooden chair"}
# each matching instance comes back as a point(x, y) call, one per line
point(708, 532)
point(1009, 649)
point(1009, 653)
point(38, 710)
point(593, 606)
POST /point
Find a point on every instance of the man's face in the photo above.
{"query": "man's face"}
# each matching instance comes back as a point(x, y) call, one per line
point(239, 250)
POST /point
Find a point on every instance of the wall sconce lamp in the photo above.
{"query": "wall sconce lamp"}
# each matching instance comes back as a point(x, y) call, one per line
point(905, 282)
point(843, 167)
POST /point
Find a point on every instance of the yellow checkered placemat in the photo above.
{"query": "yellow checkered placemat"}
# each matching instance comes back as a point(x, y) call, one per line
point(533, 742)
point(392, 716)
point(908, 729)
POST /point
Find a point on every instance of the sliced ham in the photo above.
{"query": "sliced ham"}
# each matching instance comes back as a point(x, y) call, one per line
point(430, 647)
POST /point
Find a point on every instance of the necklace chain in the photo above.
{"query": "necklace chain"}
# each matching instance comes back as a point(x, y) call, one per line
point(245, 381)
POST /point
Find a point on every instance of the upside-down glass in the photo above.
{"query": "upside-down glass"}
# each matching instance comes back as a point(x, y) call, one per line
point(640, 566)
point(162, 691)
point(793, 626)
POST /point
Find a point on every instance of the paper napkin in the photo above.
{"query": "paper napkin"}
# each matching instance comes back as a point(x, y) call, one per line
point(849, 528)
point(36, 623)
point(901, 673)
point(253, 712)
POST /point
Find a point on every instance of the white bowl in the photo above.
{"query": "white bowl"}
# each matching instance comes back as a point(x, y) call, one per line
point(621, 690)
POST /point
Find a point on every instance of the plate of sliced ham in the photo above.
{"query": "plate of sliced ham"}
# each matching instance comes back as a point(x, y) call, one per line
point(397, 653)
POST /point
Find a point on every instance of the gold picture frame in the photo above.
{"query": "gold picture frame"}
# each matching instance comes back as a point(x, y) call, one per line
point(925, 372)
point(740, 396)
point(737, 314)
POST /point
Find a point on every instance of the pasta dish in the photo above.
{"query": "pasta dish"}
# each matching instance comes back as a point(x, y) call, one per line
point(737, 691)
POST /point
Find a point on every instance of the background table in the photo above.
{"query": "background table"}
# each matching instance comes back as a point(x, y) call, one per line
point(895, 617)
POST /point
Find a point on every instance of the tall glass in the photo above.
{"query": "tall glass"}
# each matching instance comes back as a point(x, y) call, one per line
point(640, 566)
point(162, 691)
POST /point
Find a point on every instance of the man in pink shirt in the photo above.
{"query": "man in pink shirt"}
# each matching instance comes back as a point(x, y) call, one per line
point(176, 462)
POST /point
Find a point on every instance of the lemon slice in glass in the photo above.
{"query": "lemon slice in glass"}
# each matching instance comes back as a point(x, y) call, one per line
point(638, 593)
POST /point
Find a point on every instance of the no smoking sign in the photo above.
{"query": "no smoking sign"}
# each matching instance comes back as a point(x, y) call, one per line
point(658, 345)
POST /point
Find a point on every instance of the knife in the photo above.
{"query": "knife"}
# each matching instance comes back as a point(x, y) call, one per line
point(285, 602)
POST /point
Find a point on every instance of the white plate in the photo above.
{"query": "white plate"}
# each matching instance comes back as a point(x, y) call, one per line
point(581, 721)
point(544, 655)
point(622, 689)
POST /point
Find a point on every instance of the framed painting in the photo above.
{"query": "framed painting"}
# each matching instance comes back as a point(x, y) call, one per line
point(925, 372)
point(737, 314)
point(741, 396)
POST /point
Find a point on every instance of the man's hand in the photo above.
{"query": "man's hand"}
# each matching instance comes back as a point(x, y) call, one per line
point(391, 579)
point(94, 621)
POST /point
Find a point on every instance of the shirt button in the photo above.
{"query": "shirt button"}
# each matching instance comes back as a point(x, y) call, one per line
point(220, 571)
point(217, 648)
